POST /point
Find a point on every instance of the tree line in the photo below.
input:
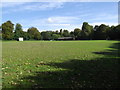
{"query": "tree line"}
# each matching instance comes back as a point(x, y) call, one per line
point(87, 32)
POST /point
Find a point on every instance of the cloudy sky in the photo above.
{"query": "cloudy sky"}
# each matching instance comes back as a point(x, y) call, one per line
point(57, 15)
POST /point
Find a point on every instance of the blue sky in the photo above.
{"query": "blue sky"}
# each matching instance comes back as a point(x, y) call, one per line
point(57, 15)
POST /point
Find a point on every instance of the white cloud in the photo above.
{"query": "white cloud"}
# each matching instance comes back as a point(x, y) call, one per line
point(25, 29)
point(11, 4)
point(62, 19)
point(69, 27)
point(59, 22)
point(105, 16)
point(55, 20)
point(50, 23)
point(38, 7)
point(50, 20)
point(42, 25)
point(106, 23)
point(19, 0)
point(30, 7)
point(60, 0)
point(54, 27)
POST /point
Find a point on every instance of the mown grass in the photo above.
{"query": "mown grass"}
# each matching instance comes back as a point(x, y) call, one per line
point(0, 64)
point(60, 64)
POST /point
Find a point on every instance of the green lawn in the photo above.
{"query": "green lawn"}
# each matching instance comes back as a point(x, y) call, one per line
point(56, 64)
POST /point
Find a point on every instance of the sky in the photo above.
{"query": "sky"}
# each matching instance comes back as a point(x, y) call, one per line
point(59, 15)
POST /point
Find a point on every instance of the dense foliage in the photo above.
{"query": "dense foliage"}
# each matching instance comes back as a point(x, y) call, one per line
point(88, 32)
point(7, 30)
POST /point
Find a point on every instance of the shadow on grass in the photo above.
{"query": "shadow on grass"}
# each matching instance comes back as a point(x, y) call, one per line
point(96, 73)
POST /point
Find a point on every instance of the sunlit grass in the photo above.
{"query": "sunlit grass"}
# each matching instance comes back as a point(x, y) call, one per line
point(22, 59)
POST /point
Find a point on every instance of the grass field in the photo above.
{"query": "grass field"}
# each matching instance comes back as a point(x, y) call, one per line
point(60, 64)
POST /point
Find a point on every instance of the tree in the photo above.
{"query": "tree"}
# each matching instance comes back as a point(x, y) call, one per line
point(72, 34)
point(56, 32)
point(87, 31)
point(77, 33)
point(101, 32)
point(37, 36)
point(117, 29)
point(18, 31)
point(7, 30)
point(84, 35)
point(0, 29)
point(0, 32)
point(55, 36)
point(66, 33)
point(46, 35)
point(96, 27)
point(25, 35)
point(94, 31)
point(114, 32)
point(34, 33)
point(61, 32)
